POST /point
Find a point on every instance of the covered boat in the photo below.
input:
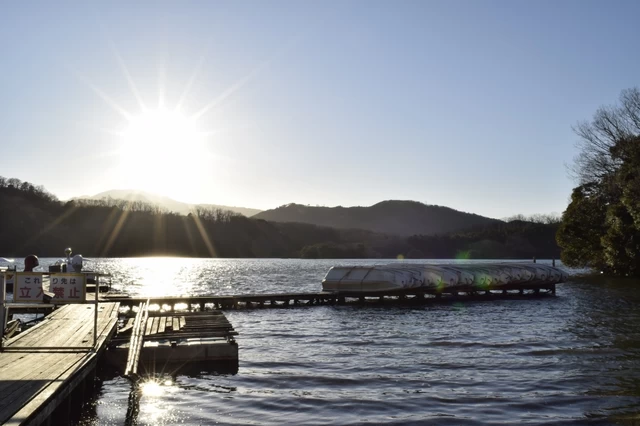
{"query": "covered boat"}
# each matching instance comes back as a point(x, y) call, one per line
point(369, 278)
point(439, 277)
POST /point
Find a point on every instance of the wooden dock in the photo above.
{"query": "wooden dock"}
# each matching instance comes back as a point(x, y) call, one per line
point(41, 367)
point(35, 378)
point(173, 341)
point(409, 296)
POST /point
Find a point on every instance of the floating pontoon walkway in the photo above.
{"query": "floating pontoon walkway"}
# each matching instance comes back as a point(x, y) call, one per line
point(40, 367)
point(416, 295)
point(171, 341)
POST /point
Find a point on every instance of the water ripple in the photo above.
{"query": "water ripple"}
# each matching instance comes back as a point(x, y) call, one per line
point(568, 360)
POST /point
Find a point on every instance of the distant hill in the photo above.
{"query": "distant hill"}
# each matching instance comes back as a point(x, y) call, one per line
point(35, 221)
point(167, 203)
point(389, 217)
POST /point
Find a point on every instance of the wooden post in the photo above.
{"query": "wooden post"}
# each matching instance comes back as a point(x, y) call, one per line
point(95, 309)
point(3, 308)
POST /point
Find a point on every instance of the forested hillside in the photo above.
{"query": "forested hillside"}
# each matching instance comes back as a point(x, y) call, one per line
point(34, 221)
point(388, 217)
point(164, 203)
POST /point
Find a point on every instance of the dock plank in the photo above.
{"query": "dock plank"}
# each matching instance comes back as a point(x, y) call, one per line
point(147, 327)
point(32, 379)
point(156, 324)
point(14, 397)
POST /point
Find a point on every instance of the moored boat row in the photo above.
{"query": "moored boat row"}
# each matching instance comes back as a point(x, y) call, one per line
point(398, 276)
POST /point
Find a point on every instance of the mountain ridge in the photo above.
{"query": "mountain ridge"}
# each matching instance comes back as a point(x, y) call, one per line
point(35, 221)
point(394, 217)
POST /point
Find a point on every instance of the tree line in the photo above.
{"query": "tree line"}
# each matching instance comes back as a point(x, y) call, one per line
point(34, 221)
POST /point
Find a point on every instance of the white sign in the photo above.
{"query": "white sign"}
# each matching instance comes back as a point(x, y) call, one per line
point(27, 287)
point(67, 288)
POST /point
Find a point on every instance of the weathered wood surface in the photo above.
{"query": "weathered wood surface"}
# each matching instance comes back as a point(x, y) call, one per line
point(34, 380)
point(163, 325)
point(176, 327)
point(137, 340)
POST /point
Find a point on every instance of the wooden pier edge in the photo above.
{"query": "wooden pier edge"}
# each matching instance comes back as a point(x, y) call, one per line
point(41, 407)
point(38, 409)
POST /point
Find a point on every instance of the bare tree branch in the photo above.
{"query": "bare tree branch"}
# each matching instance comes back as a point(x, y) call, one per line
point(610, 124)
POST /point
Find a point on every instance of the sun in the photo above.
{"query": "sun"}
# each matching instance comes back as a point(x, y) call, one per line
point(159, 128)
point(159, 149)
point(163, 151)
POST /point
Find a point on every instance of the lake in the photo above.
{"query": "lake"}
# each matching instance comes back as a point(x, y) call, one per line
point(569, 359)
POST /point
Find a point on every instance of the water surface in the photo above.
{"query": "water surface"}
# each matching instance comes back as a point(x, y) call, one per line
point(569, 359)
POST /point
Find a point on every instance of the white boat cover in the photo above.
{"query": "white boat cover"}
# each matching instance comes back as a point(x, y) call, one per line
point(399, 276)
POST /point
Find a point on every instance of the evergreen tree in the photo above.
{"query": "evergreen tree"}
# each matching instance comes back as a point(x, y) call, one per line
point(601, 226)
point(582, 228)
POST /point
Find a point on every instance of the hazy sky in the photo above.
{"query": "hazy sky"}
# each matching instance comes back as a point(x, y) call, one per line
point(467, 104)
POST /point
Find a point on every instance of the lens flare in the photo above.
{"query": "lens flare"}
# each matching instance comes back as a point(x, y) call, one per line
point(151, 388)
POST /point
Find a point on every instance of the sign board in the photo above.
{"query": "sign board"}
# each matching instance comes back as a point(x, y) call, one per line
point(67, 288)
point(27, 287)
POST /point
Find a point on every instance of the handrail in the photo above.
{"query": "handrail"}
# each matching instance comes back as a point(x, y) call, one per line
point(46, 302)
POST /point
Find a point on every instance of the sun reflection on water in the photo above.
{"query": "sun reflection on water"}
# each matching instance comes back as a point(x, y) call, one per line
point(151, 388)
point(163, 276)
point(156, 397)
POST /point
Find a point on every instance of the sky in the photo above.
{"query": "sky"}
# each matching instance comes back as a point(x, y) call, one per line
point(465, 104)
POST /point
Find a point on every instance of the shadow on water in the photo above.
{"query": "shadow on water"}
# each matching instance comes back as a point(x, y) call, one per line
point(606, 326)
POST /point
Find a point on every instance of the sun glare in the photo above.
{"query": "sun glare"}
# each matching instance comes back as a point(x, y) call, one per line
point(163, 151)
point(151, 388)
point(159, 129)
